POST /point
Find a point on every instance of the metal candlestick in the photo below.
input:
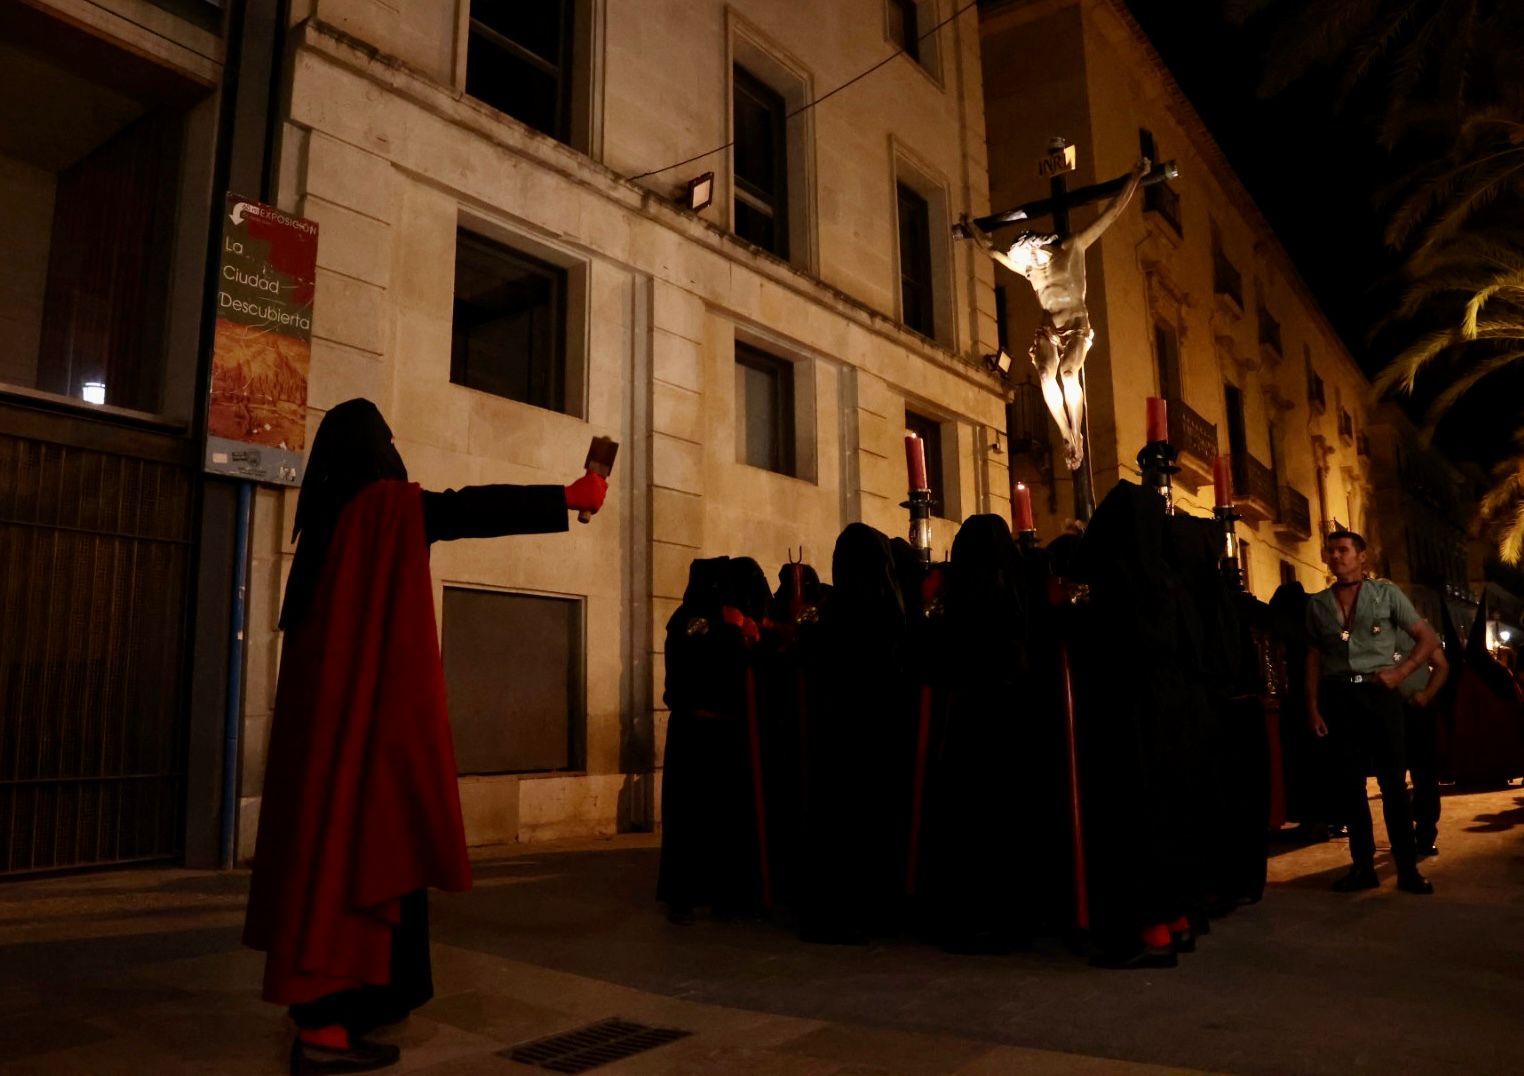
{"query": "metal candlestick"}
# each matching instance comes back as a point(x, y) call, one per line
point(920, 505)
point(1230, 566)
point(1157, 462)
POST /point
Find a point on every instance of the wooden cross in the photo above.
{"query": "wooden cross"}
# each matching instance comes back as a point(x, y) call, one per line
point(1059, 162)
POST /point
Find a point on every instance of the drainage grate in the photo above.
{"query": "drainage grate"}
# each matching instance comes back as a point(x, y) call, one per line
point(589, 1047)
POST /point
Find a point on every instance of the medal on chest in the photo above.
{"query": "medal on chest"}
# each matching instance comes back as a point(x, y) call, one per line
point(1344, 636)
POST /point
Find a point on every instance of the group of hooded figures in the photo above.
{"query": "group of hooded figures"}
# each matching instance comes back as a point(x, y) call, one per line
point(890, 753)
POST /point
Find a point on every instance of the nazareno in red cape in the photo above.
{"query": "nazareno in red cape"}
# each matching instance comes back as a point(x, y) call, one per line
point(360, 802)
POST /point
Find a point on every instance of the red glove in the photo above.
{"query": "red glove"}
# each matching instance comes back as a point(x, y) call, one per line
point(586, 494)
point(737, 619)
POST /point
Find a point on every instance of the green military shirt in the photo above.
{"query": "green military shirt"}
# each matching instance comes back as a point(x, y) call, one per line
point(1419, 678)
point(1381, 611)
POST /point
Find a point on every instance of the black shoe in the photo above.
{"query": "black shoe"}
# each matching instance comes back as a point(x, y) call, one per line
point(679, 915)
point(1427, 848)
point(1357, 879)
point(1337, 832)
point(1415, 883)
point(1184, 941)
point(362, 1056)
point(1144, 957)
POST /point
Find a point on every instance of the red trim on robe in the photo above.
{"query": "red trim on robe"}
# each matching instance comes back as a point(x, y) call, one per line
point(360, 804)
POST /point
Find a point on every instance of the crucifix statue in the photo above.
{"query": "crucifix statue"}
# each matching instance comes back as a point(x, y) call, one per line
point(1054, 264)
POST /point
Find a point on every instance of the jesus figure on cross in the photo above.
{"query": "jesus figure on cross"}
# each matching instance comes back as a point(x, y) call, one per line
point(1055, 267)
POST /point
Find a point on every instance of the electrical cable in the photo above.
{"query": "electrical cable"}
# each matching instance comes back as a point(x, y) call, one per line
point(819, 100)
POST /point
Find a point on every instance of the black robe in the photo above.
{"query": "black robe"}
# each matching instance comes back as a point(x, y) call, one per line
point(1220, 653)
point(857, 757)
point(1143, 722)
point(709, 854)
point(979, 805)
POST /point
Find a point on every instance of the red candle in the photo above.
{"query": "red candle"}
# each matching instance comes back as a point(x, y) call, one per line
point(915, 461)
point(1158, 419)
point(1222, 481)
point(1021, 503)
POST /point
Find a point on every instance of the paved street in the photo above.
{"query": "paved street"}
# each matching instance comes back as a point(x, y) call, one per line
point(141, 972)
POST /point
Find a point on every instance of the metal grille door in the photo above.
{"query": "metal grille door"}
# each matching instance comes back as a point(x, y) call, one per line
point(94, 569)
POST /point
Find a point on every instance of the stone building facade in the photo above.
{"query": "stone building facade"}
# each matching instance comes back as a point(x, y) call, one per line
point(759, 360)
point(1191, 295)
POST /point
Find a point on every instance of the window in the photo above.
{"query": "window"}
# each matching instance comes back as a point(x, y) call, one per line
point(1002, 329)
point(904, 27)
point(1167, 357)
point(929, 430)
point(1238, 444)
point(761, 164)
point(1317, 395)
point(509, 331)
point(513, 669)
point(1269, 328)
point(1288, 573)
point(519, 61)
point(1227, 281)
point(1161, 198)
point(765, 410)
point(916, 294)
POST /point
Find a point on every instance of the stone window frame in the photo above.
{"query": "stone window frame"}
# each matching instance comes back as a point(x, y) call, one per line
point(917, 174)
point(927, 57)
point(806, 427)
point(951, 506)
point(585, 107)
point(750, 48)
point(577, 326)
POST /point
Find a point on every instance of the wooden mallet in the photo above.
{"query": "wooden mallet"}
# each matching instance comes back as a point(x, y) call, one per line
point(600, 461)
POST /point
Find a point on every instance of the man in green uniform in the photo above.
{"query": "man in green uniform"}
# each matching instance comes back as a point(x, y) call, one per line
point(1352, 698)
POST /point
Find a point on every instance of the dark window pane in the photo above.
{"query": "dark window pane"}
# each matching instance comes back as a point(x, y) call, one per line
point(513, 671)
point(766, 407)
point(507, 337)
point(761, 165)
point(903, 28)
point(915, 261)
point(1167, 349)
point(518, 60)
point(537, 27)
point(929, 430)
point(755, 226)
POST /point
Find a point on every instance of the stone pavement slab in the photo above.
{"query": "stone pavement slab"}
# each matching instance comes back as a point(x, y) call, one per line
point(142, 972)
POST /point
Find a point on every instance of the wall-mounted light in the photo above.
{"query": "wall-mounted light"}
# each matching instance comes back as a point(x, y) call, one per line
point(999, 363)
point(997, 444)
point(700, 192)
point(93, 392)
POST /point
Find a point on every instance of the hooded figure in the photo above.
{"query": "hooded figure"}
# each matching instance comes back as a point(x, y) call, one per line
point(976, 881)
point(858, 750)
point(1220, 653)
point(1143, 719)
point(360, 811)
point(709, 847)
point(785, 717)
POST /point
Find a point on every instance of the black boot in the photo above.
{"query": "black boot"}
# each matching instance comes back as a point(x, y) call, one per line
point(1410, 881)
point(1358, 878)
point(1145, 956)
point(361, 1056)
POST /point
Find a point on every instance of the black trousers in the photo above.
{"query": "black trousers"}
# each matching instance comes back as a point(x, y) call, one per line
point(1365, 733)
point(1423, 763)
point(367, 1007)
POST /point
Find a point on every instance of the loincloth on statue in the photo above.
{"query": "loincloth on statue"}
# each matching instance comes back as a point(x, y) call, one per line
point(1061, 339)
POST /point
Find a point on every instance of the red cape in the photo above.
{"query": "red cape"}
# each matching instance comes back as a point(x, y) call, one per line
point(360, 800)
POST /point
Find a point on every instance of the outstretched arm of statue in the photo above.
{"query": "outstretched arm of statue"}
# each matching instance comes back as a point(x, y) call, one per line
point(1113, 210)
point(967, 229)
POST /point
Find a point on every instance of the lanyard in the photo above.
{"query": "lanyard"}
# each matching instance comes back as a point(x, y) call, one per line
point(1349, 617)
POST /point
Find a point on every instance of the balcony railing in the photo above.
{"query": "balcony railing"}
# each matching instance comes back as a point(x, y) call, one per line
point(1195, 439)
point(1027, 420)
point(1254, 489)
point(1295, 520)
